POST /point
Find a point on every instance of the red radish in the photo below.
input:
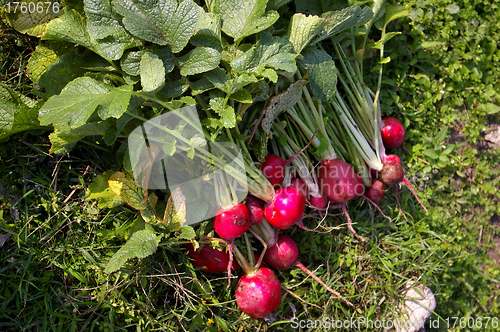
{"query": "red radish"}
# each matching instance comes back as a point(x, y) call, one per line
point(285, 208)
point(392, 158)
point(232, 222)
point(273, 169)
point(259, 293)
point(393, 132)
point(376, 191)
point(283, 255)
point(300, 185)
point(212, 260)
point(318, 202)
point(255, 208)
point(338, 181)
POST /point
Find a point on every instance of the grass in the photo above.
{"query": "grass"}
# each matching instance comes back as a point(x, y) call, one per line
point(52, 264)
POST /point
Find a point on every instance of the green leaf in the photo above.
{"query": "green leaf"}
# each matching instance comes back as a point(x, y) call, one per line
point(162, 22)
point(79, 100)
point(99, 189)
point(243, 18)
point(7, 112)
point(39, 61)
point(61, 72)
point(491, 108)
point(321, 71)
point(17, 112)
point(64, 139)
point(269, 52)
point(393, 13)
point(175, 211)
point(187, 233)
point(431, 153)
point(149, 213)
point(242, 96)
point(130, 62)
point(152, 72)
point(173, 89)
point(124, 186)
point(208, 32)
point(141, 244)
point(280, 103)
point(218, 103)
point(70, 27)
point(341, 20)
point(199, 60)
point(302, 30)
point(384, 39)
point(200, 86)
point(32, 22)
point(104, 24)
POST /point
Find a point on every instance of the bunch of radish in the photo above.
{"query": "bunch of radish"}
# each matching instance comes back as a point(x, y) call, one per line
point(321, 155)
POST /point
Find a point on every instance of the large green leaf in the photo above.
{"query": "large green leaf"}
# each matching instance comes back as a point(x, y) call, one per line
point(303, 29)
point(199, 60)
point(321, 71)
point(269, 52)
point(242, 18)
point(79, 100)
point(104, 24)
point(161, 22)
point(141, 244)
point(72, 27)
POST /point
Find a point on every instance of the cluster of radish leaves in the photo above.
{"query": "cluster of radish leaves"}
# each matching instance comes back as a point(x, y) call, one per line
point(103, 64)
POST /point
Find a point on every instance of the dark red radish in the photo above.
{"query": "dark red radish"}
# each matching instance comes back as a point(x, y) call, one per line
point(212, 260)
point(393, 132)
point(338, 181)
point(391, 173)
point(258, 293)
point(284, 254)
point(376, 191)
point(285, 208)
point(232, 222)
point(273, 169)
point(255, 208)
point(300, 185)
point(318, 202)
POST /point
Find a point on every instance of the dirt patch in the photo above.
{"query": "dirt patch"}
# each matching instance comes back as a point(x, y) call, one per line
point(492, 137)
point(495, 253)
